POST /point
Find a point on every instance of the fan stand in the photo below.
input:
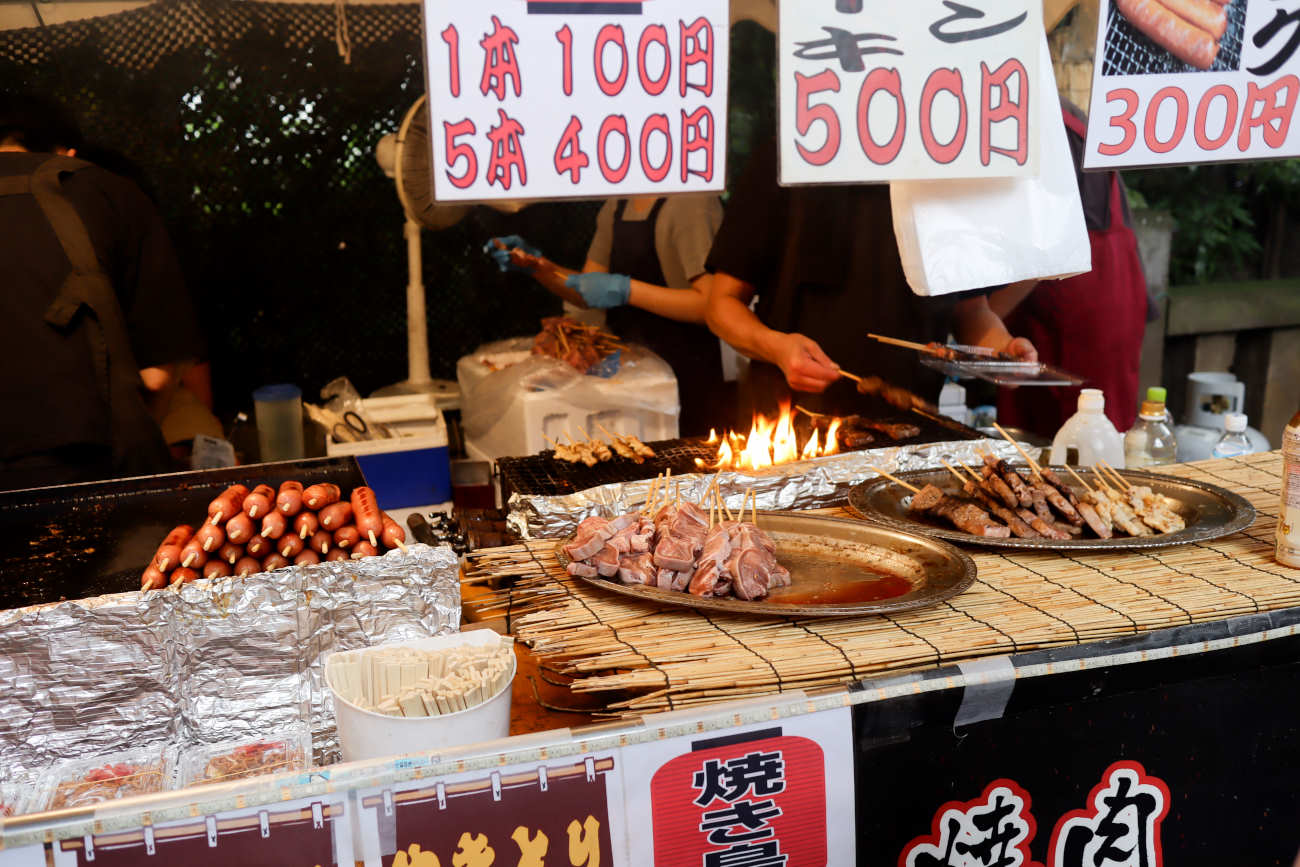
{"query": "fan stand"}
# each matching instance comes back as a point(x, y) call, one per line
point(418, 380)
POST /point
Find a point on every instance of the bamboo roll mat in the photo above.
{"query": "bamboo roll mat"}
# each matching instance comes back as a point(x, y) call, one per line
point(643, 660)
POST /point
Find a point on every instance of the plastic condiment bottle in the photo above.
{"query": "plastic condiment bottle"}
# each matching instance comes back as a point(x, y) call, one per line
point(1234, 443)
point(1288, 522)
point(1089, 433)
point(1150, 442)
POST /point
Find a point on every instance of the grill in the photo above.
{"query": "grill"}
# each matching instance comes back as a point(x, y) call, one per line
point(543, 475)
point(1129, 52)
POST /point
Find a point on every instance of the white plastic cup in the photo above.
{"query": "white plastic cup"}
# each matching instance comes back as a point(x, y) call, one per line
point(364, 734)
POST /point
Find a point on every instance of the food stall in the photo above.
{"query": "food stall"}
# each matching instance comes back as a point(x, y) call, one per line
point(916, 644)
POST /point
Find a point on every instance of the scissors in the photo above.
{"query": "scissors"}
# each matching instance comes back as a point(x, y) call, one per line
point(353, 426)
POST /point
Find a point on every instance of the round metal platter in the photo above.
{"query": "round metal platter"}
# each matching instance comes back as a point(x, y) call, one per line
point(839, 567)
point(1210, 512)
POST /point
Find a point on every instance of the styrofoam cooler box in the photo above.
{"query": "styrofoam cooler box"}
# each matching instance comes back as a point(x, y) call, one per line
point(529, 417)
point(412, 469)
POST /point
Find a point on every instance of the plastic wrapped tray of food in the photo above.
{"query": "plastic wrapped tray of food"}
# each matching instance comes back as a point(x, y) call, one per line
point(287, 750)
point(83, 782)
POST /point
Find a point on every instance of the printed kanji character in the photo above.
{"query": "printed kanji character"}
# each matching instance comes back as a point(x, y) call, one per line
point(499, 61)
point(1265, 34)
point(584, 842)
point(748, 813)
point(531, 849)
point(993, 830)
point(1121, 828)
point(995, 835)
point(747, 855)
point(413, 857)
point(473, 851)
point(845, 47)
point(762, 772)
point(961, 12)
point(507, 152)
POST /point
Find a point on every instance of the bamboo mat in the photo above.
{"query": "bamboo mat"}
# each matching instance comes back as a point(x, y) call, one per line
point(642, 660)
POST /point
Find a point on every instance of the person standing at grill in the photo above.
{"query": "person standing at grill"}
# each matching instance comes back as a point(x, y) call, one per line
point(824, 265)
point(645, 266)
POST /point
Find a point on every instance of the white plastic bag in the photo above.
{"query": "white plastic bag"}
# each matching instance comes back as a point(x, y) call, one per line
point(971, 234)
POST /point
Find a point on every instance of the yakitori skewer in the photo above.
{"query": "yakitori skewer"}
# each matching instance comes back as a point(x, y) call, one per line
point(1033, 465)
point(895, 479)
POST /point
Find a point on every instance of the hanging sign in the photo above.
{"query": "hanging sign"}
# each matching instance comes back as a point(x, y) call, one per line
point(576, 98)
point(23, 856)
point(311, 832)
point(1188, 81)
point(874, 91)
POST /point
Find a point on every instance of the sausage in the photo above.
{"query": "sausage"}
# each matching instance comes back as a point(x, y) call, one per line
point(192, 556)
point(336, 515)
point(230, 552)
point(240, 529)
point(370, 521)
point(289, 500)
point(394, 534)
point(274, 560)
point(153, 578)
point(335, 555)
point(183, 575)
point(307, 557)
point(179, 535)
point(322, 541)
point(1205, 14)
point(259, 502)
point(169, 552)
point(319, 496)
point(290, 546)
point(217, 569)
point(227, 503)
point(274, 525)
point(211, 537)
point(363, 549)
point(1185, 41)
point(347, 536)
point(258, 546)
point(248, 566)
point(306, 524)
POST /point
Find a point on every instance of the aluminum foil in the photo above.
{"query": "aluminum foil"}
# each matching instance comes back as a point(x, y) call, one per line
point(811, 484)
point(219, 660)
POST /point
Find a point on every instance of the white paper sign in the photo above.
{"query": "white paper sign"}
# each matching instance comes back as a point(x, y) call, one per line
point(1219, 85)
point(576, 98)
point(25, 856)
point(880, 91)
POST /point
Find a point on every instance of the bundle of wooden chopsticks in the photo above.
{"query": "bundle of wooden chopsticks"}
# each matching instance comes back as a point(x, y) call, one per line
point(404, 681)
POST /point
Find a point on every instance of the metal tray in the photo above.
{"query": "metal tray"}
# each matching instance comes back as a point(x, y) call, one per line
point(1210, 512)
point(839, 567)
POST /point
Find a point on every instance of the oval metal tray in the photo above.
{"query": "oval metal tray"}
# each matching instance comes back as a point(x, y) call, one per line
point(1210, 512)
point(838, 566)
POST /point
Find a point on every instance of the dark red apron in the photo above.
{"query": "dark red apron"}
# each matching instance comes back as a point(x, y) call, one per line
point(1091, 325)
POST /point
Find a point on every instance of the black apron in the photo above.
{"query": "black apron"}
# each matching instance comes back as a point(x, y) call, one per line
point(86, 301)
point(692, 351)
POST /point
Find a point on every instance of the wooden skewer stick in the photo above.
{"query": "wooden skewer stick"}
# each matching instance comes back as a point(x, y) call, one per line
point(954, 471)
point(607, 433)
point(809, 412)
point(909, 344)
point(852, 376)
point(650, 495)
point(1123, 482)
point(1080, 480)
point(373, 540)
point(895, 479)
point(1033, 465)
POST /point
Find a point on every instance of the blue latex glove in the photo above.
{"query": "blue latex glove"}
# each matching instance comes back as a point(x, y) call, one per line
point(601, 290)
point(502, 256)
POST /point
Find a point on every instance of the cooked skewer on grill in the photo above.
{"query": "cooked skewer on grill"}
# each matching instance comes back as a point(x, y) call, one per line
point(563, 452)
point(584, 451)
point(628, 445)
point(598, 447)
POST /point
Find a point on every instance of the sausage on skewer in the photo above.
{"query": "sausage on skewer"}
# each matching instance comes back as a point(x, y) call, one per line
point(288, 501)
point(365, 509)
point(319, 496)
point(259, 502)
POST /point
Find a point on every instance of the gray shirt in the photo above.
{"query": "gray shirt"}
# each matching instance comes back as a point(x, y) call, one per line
point(683, 235)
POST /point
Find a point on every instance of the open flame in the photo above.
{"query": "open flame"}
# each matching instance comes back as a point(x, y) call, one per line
point(769, 442)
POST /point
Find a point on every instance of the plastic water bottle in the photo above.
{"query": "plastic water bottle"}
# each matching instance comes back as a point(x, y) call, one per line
point(1158, 394)
point(1150, 442)
point(1234, 443)
point(1090, 434)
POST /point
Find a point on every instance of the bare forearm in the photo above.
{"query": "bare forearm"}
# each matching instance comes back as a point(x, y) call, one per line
point(683, 305)
point(976, 324)
point(552, 276)
point(733, 321)
point(1007, 299)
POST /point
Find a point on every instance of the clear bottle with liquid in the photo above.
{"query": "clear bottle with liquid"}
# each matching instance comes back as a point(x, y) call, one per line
point(1288, 521)
point(1150, 442)
point(1159, 395)
point(1234, 443)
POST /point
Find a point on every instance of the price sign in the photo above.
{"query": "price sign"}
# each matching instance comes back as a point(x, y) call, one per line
point(576, 98)
point(1194, 81)
point(23, 856)
point(880, 91)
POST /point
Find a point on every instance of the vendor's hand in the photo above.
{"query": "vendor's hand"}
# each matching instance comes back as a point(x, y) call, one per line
point(805, 365)
point(601, 290)
point(499, 249)
point(1021, 349)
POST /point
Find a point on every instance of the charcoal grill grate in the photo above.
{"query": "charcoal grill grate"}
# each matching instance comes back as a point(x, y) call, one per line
point(542, 475)
point(1129, 52)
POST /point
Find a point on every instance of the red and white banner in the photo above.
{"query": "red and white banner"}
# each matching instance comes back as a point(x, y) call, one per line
point(1189, 81)
point(576, 98)
point(873, 91)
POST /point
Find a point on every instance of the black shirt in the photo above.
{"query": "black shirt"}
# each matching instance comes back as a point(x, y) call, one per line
point(49, 391)
point(825, 263)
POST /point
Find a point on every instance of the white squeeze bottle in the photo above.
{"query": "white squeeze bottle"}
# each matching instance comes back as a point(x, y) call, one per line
point(1288, 520)
point(1090, 434)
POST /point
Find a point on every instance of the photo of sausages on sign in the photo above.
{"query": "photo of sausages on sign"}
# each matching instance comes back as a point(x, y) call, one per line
point(1164, 36)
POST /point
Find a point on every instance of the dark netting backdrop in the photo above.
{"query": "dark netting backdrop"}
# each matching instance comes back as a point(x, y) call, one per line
point(257, 141)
